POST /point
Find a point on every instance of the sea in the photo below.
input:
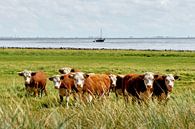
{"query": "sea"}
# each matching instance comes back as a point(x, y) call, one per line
point(110, 43)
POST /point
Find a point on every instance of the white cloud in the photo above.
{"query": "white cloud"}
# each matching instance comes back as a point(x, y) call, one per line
point(85, 17)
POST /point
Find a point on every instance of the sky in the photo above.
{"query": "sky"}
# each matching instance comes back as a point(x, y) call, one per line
point(85, 18)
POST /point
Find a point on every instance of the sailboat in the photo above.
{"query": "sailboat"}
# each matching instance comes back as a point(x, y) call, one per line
point(100, 39)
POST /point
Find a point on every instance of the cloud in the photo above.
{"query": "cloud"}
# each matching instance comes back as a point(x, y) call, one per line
point(85, 17)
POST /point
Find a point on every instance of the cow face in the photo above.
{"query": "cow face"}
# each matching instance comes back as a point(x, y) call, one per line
point(169, 81)
point(27, 75)
point(113, 80)
point(56, 81)
point(148, 80)
point(79, 79)
point(65, 70)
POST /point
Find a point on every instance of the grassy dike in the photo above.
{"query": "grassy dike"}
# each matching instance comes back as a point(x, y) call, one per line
point(18, 111)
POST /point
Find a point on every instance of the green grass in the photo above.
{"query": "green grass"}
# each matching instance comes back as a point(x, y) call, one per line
point(19, 111)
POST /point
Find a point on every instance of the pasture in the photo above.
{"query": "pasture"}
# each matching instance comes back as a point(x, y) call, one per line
point(20, 111)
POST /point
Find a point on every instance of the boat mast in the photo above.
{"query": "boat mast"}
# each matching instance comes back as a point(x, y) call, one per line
point(101, 33)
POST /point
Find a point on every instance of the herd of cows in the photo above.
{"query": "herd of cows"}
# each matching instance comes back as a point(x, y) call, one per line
point(89, 86)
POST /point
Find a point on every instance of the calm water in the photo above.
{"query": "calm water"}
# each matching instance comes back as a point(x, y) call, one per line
point(110, 43)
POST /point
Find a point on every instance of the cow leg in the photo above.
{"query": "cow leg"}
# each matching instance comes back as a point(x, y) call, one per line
point(41, 92)
point(61, 99)
point(67, 101)
point(126, 96)
point(36, 92)
point(45, 91)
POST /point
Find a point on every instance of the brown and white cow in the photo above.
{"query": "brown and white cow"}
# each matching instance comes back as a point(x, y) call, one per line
point(163, 86)
point(138, 86)
point(65, 85)
point(67, 70)
point(118, 88)
point(94, 85)
point(34, 81)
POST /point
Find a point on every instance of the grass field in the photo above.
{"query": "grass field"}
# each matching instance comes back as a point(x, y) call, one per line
point(18, 111)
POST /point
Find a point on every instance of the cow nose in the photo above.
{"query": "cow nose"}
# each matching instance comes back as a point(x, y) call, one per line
point(149, 86)
point(26, 83)
point(56, 87)
point(170, 88)
point(79, 85)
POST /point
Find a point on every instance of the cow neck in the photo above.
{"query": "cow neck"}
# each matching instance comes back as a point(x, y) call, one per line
point(162, 86)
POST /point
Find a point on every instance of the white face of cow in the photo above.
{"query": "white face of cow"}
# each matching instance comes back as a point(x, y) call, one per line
point(79, 79)
point(113, 80)
point(27, 76)
point(65, 70)
point(148, 80)
point(56, 81)
point(169, 81)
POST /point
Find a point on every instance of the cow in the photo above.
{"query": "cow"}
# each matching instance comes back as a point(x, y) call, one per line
point(67, 70)
point(118, 88)
point(95, 85)
point(138, 86)
point(65, 85)
point(34, 81)
point(163, 86)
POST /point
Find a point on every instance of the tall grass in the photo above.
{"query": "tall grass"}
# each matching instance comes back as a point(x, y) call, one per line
point(20, 111)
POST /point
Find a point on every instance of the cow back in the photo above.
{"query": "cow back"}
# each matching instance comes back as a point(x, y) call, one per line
point(97, 84)
point(67, 82)
point(134, 84)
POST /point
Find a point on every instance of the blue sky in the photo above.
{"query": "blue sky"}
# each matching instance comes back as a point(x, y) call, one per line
point(84, 18)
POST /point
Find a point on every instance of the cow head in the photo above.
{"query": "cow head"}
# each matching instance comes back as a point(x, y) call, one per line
point(56, 80)
point(27, 75)
point(169, 81)
point(65, 70)
point(113, 79)
point(149, 79)
point(79, 78)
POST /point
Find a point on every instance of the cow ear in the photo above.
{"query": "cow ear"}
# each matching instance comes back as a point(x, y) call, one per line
point(71, 75)
point(61, 77)
point(61, 71)
point(86, 75)
point(72, 70)
point(142, 76)
point(20, 73)
point(33, 73)
point(176, 77)
point(156, 76)
point(51, 78)
point(164, 76)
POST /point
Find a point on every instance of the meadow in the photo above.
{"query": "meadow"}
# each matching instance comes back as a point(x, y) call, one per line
point(20, 111)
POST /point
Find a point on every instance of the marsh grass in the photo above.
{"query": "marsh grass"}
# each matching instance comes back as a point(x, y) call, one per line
point(20, 111)
point(24, 113)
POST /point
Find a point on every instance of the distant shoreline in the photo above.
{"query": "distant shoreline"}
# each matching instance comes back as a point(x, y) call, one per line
point(39, 38)
point(69, 48)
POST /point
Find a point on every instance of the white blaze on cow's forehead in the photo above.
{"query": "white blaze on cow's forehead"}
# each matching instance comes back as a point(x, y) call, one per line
point(169, 80)
point(56, 80)
point(66, 70)
point(79, 79)
point(113, 79)
point(79, 75)
point(56, 77)
point(149, 75)
point(170, 77)
point(27, 76)
point(26, 73)
point(148, 79)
